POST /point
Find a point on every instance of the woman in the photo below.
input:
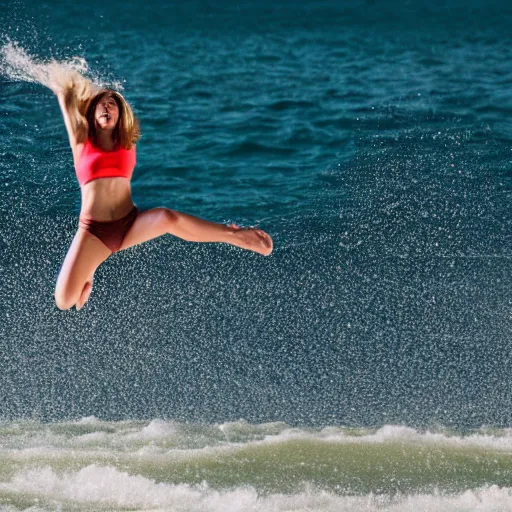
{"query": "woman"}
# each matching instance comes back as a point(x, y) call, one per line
point(102, 133)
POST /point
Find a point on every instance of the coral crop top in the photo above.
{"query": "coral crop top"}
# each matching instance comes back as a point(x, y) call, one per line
point(95, 163)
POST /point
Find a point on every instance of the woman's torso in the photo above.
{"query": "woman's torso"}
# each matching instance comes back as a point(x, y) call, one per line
point(105, 199)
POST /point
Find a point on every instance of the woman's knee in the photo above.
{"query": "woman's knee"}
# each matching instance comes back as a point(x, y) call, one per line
point(169, 216)
point(64, 298)
point(63, 302)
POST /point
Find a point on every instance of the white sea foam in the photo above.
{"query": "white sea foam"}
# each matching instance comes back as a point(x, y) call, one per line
point(156, 429)
point(106, 487)
point(398, 434)
point(135, 435)
point(88, 420)
point(93, 447)
point(92, 438)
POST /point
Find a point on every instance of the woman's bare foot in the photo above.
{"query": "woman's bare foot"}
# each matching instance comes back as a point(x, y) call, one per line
point(252, 239)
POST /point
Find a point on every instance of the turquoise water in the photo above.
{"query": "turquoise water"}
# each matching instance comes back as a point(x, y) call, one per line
point(372, 141)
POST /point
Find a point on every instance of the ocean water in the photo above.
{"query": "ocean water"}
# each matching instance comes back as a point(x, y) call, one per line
point(366, 364)
point(237, 466)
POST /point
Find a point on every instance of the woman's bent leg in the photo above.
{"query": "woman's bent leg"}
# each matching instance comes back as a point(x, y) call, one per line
point(74, 283)
point(84, 296)
point(159, 221)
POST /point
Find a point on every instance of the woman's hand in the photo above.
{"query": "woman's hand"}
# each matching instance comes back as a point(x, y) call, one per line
point(46, 78)
point(56, 88)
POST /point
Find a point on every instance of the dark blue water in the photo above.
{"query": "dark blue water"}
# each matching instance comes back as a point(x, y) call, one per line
point(370, 139)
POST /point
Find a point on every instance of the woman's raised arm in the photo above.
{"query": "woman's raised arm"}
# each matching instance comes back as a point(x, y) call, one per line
point(72, 91)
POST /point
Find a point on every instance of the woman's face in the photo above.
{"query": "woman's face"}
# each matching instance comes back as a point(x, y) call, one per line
point(106, 114)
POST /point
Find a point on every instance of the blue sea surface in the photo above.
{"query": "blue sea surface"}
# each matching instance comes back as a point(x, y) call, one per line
point(371, 139)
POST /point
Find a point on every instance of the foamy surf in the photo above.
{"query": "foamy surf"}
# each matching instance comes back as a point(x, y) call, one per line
point(170, 434)
point(92, 464)
point(105, 488)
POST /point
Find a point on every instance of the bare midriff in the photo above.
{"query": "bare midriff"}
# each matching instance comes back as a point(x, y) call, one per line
point(106, 199)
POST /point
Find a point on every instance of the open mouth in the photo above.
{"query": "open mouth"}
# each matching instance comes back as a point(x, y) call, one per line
point(105, 115)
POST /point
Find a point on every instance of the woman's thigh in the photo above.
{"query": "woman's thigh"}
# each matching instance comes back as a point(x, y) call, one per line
point(85, 254)
point(148, 225)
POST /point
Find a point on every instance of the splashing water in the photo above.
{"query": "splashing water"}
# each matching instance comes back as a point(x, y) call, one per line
point(16, 64)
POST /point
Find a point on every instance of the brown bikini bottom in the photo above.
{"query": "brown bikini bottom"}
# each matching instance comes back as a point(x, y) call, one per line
point(111, 233)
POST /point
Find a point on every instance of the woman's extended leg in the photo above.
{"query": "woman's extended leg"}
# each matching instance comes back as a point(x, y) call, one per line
point(159, 221)
point(74, 283)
